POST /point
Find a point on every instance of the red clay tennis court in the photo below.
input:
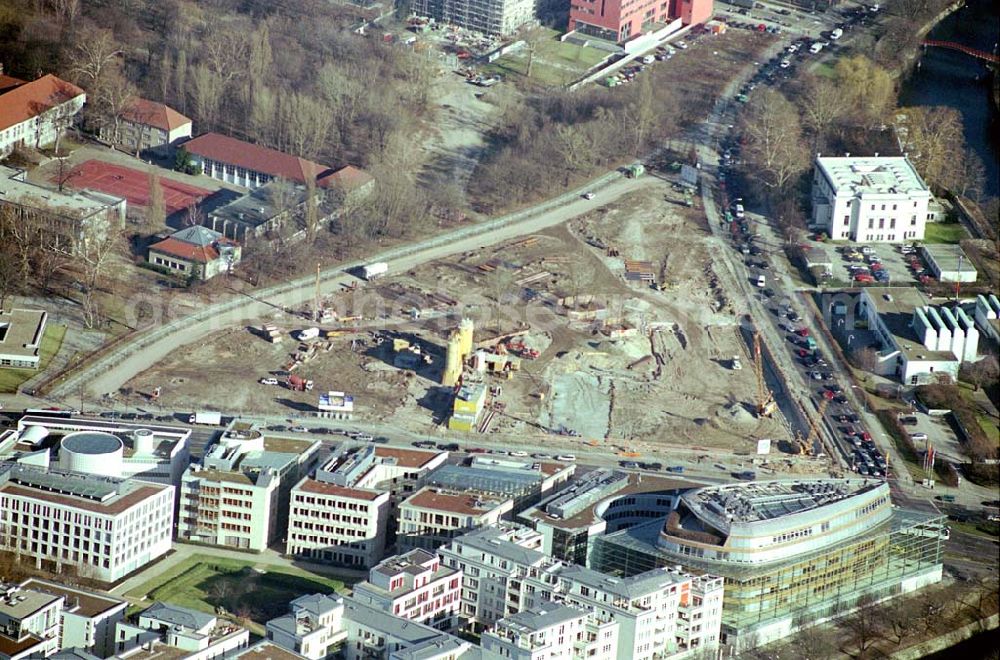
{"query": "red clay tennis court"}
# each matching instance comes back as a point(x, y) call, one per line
point(133, 185)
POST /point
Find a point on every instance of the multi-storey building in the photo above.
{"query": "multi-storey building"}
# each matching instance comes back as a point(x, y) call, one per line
point(433, 516)
point(414, 586)
point(314, 629)
point(372, 633)
point(552, 630)
point(605, 500)
point(21, 333)
point(869, 199)
point(87, 618)
point(147, 124)
point(101, 527)
point(33, 114)
point(342, 513)
point(166, 630)
point(524, 480)
point(619, 21)
point(124, 450)
point(29, 622)
point(497, 17)
point(790, 552)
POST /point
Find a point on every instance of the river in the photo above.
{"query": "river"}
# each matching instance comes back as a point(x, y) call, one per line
point(953, 79)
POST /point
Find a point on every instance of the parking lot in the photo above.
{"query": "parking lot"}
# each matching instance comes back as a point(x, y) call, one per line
point(939, 433)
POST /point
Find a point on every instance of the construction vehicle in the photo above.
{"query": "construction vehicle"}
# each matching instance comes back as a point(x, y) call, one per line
point(766, 404)
point(372, 271)
point(299, 384)
point(209, 418)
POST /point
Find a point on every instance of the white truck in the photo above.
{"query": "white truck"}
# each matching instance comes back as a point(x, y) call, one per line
point(372, 271)
point(207, 418)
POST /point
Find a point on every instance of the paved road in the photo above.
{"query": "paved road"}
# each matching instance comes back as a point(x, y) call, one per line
point(111, 372)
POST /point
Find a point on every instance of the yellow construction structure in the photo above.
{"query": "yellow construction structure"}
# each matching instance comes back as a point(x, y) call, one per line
point(453, 361)
point(466, 328)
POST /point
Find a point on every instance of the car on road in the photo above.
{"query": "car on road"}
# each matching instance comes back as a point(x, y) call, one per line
point(450, 446)
point(426, 444)
point(268, 381)
point(320, 430)
point(299, 429)
point(588, 195)
point(108, 415)
point(651, 466)
point(146, 417)
point(918, 437)
point(629, 465)
point(566, 458)
point(278, 428)
point(165, 418)
point(519, 453)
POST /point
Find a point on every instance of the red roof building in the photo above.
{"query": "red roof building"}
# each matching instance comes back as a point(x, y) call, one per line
point(148, 124)
point(195, 252)
point(249, 165)
point(33, 113)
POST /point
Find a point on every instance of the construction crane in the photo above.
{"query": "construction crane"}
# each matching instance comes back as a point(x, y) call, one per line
point(805, 446)
point(765, 399)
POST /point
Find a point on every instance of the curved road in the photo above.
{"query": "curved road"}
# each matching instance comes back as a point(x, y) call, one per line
point(109, 373)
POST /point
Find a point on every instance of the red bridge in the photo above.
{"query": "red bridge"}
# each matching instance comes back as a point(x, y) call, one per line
point(951, 45)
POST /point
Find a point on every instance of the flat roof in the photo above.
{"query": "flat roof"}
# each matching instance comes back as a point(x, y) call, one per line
point(92, 443)
point(539, 618)
point(86, 603)
point(78, 204)
point(414, 458)
point(21, 331)
point(872, 174)
point(895, 307)
point(948, 257)
point(486, 479)
point(452, 502)
point(267, 650)
point(287, 445)
point(11, 647)
point(310, 485)
point(26, 602)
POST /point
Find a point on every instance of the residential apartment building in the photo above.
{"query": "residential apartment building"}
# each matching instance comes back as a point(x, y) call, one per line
point(21, 332)
point(238, 496)
point(196, 252)
point(344, 513)
point(869, 199)
point(68, 219)
point(146, 125)
point(313, 629)
point(434, 516)
point(661, 613)
point(167, 630)
point(100, 527)
point(29, 622)
point(372, 633)
point(414, 586)
point(495, 17)
point(88, 619)
point(620, 21)
point(33, 113)
point(134, 450)
point(552, 630)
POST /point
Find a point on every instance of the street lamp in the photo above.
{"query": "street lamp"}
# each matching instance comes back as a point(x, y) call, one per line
point(849, 339)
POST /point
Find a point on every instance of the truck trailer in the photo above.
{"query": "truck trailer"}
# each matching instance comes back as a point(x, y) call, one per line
point(375, 270)
point(208, 418)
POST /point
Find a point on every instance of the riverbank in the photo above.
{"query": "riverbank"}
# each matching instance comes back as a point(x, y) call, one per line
point(909, 60)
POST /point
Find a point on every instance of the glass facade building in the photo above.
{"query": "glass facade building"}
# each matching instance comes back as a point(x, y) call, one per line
point(769, 599)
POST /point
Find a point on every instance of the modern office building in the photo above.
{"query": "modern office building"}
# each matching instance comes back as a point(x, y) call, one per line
point(345, 513)
point(238, 496)
point(916, 339)
point(114, 448)
point(869, 199)
point(494, 17)
point(87, 618)
point(552, 630)
point(313, 629)
point(99, 527)
point(29, 622)
point(789, 552)
point(433, 516)
point(414, 586)
point(170, 631)
point(604, 500)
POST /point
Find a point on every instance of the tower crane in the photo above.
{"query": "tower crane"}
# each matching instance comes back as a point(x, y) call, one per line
point(765, 399)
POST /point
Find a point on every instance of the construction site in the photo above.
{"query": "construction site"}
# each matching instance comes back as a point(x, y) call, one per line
point(608, 329)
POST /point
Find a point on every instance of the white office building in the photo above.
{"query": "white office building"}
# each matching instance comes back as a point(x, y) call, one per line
point(869, 199)
point(342, 514)
point(238, 496)
point(916, 339)
point(29, 622)
point(100, 527)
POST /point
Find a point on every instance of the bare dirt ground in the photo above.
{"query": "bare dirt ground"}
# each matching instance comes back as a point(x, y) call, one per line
point(617, 362)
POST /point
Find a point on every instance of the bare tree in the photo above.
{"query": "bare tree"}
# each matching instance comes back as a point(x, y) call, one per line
point(982, 372)
point(156, 210)
point(180, 79)
point(9, 281)
point(865, 629)
point(95, 254)
point(572, 145)
point(111, 97)
point(206, 93)
point(311, 215)
point(823, 103)
point(774, 139)
point(95, 50)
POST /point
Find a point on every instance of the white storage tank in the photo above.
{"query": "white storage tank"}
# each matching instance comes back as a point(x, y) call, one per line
point(92, 452)
point(143, 441)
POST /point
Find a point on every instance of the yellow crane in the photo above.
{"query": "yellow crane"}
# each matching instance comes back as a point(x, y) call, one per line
point(765, 399)
point(805, 446)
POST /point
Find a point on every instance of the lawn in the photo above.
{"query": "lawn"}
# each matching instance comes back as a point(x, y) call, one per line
point(554, 62)
point(944, 232)
point(206, 583)
point(11, 379)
